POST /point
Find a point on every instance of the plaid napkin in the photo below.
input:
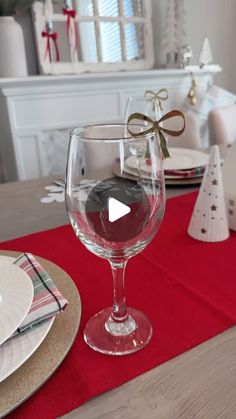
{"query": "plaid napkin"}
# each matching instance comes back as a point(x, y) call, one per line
point(47, 300)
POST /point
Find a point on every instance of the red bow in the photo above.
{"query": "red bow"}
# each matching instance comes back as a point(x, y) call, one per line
point(71, 14)
point(53, 36)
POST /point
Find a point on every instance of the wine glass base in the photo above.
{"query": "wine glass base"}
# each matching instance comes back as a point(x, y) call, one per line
point(112, 338)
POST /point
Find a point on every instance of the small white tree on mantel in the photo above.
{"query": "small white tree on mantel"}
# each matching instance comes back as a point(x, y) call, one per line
point(184, 50)
point(205, 56)
point(180, 16)
point(169, 42)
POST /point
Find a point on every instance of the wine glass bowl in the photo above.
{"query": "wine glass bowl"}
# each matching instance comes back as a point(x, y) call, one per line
point(143, 104)
point(146, 105)
point(115, 218)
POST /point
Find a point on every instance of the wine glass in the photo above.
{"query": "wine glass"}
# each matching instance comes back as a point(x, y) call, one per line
point(145, 104)
point(115, 218)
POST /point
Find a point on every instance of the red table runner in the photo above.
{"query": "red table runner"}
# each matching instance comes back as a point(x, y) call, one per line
point(186, 287)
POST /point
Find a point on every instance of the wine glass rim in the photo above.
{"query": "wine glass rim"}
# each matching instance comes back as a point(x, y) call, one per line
point(80, 132)
point(141, 98)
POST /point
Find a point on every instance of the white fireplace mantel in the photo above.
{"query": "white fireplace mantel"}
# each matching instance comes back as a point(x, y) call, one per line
point(37, 112)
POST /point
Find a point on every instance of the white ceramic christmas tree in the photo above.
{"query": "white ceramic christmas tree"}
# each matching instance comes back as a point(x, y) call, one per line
point(205, 56)
point(180, 15)
point(209, 219)
point(184, 50)
point(169, 42)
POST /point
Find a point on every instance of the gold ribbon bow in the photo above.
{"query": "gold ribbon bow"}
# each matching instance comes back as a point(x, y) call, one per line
point(157, 128)
point(157, 97)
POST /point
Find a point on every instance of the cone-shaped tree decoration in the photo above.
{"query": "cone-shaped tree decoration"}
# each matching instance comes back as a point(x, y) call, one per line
point(169, 41)
point(180, 17)
point(205, 56)
point(209, 219)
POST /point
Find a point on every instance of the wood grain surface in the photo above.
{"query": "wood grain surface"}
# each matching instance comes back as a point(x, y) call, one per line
point(21, 211)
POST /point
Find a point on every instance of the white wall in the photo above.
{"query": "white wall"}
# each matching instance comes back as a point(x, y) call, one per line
point(212, 18)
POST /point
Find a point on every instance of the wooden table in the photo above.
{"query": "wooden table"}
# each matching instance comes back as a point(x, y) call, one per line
point(199, 384)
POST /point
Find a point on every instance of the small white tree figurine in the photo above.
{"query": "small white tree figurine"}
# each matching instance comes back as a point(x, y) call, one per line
point(209, 219)
point(169, 42)
point(184, 50)
point(205, 56)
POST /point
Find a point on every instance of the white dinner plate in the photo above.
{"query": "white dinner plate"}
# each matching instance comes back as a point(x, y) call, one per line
point(134, 172)
point(17, 350)
point(185, 158)
point(16, 295)
point(181, 159)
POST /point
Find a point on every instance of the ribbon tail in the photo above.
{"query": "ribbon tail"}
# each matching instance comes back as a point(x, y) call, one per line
point(68, 27)
point(48, 49)
point(76, 36)
point(163, 145)
point(57, 50)
point(160, 104)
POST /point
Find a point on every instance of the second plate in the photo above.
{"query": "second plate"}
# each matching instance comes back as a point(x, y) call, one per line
point(16, 295)
point(181, 159)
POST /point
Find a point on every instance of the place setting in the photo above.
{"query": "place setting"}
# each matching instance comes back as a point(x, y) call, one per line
point(184, 167)
point(30, 304)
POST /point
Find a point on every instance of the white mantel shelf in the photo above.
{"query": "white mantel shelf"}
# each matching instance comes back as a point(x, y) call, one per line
point(14, 86)
point(37, 112)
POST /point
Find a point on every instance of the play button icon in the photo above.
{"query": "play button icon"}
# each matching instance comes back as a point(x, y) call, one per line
point(116, 209)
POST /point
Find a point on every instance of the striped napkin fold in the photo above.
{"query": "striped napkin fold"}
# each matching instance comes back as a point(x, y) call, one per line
point(47, 300)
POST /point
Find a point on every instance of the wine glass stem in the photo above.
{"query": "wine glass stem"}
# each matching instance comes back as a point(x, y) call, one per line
point(119, 312)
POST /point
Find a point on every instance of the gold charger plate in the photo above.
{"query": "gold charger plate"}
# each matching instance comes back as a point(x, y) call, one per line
point(46, 359)
point(168, 182)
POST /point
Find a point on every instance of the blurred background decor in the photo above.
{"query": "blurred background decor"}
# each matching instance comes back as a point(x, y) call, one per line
point(177, 52)
point(205, 56)
point(95, 35)
point(12, 46)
